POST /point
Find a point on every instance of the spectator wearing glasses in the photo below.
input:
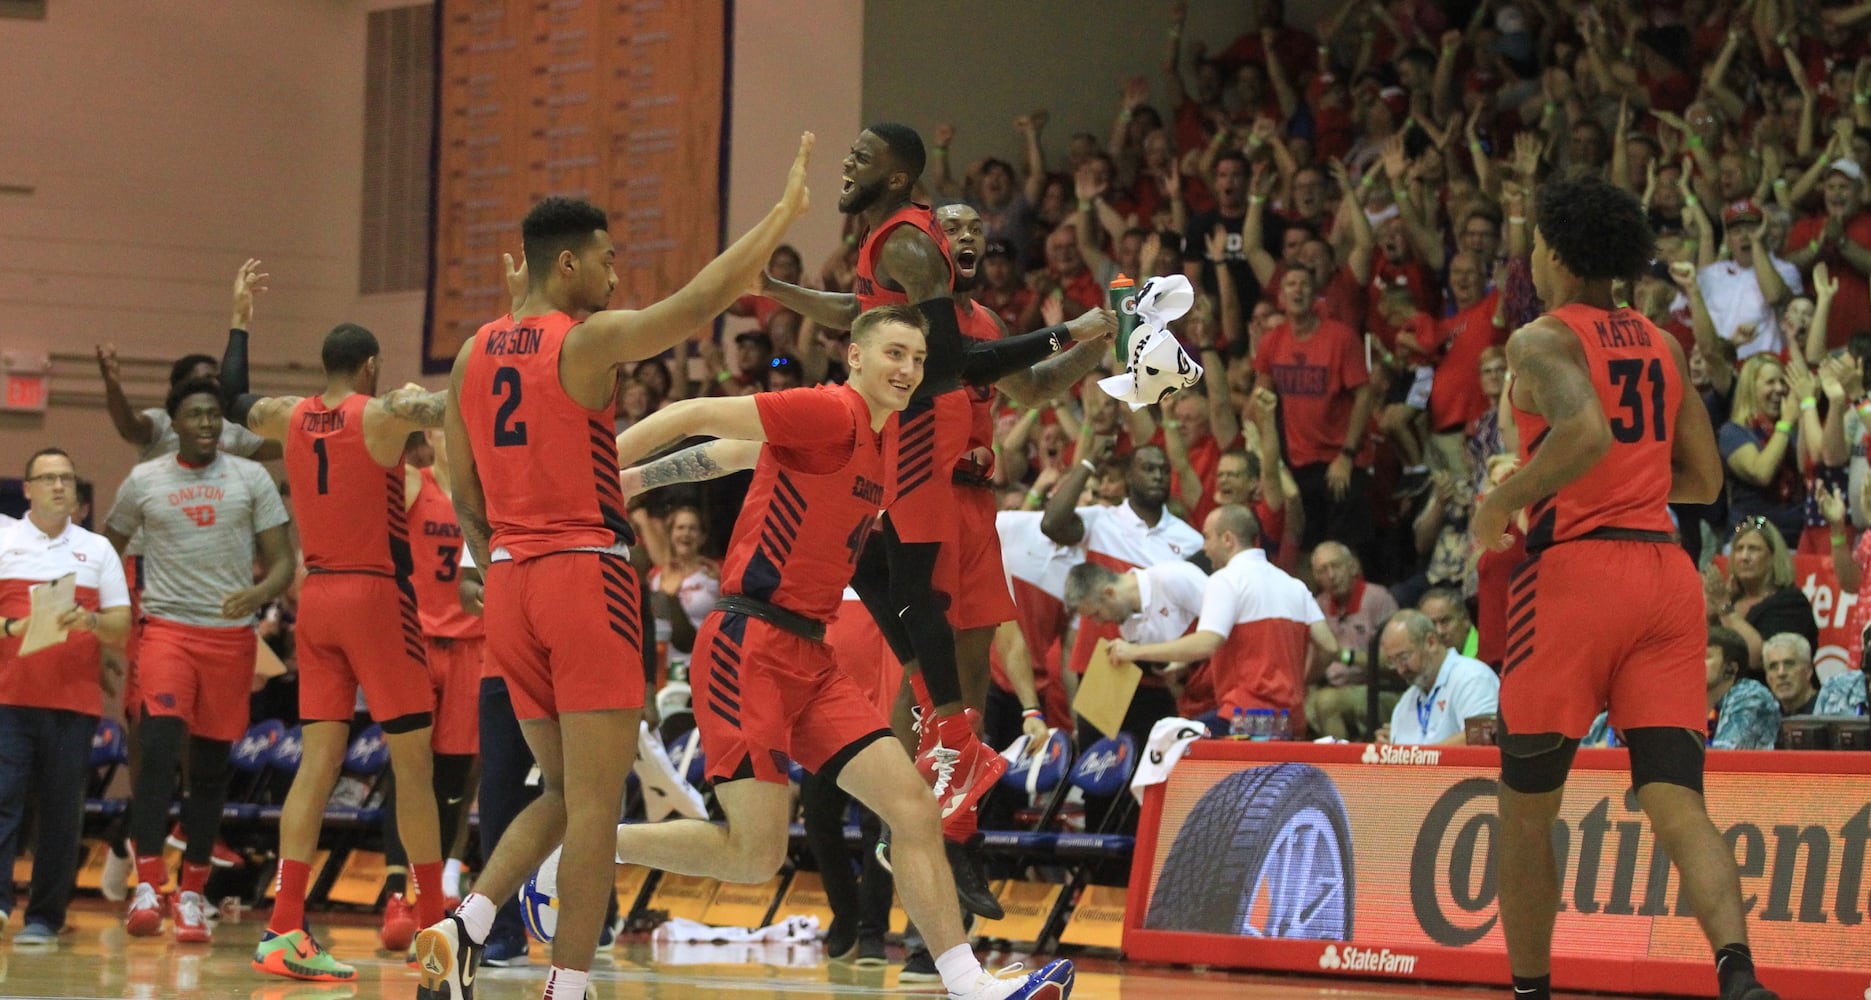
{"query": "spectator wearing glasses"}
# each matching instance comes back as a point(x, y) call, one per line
point(1446, 688)
point(1757, 597)
point(1772, 420)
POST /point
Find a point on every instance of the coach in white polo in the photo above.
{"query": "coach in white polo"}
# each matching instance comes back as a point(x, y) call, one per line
point(50, 700)
point(1446, 688)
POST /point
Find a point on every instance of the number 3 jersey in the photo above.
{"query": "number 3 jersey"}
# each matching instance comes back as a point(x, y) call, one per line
point(547, 465)
point(816, 494)
point(1639, 387)
point(435, 544)
point(350, 508)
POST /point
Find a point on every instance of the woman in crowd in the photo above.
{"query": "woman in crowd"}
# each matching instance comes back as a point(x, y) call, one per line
point(1757, 597)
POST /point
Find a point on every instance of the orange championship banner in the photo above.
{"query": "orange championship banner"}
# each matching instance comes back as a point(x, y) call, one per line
point(620, 102)
point(1380, 862)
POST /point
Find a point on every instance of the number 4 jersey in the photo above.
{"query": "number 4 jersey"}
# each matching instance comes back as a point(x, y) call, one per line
point(1639, 386)
point(547, 465)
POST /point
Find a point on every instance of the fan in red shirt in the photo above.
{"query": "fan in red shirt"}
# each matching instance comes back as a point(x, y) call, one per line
point(1609, 434)
point(1840, 236)
point(768, 691)
point(530, 425)
point(1317, 367)
point(1455, 398)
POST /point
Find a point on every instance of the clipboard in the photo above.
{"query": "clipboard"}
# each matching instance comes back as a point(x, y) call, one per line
point(1105, 693)
point(49, 602)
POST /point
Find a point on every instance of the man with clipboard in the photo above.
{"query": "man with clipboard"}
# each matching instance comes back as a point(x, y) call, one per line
point(50, 697)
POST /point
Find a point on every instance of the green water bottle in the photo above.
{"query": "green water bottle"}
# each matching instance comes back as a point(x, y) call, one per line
point(1123, 296)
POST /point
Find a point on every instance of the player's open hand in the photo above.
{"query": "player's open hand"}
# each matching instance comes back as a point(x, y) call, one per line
point(107, 364)
point(796, 199)
point(516, 279)
point(1036, 733)
point(248, 280)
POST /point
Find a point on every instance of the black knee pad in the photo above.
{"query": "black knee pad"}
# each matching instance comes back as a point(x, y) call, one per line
point(1666, 754)
point(407, 723)
point(1535, 763)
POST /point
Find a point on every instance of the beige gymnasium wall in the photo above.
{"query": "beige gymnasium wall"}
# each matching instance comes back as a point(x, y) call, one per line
point(164, 143)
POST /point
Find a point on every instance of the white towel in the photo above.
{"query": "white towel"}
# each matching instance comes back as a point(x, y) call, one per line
point(1169, 739)
point(1154, 362)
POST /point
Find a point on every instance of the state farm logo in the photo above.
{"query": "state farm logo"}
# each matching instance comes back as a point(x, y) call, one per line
point(1409, 756)
point(1352, 958)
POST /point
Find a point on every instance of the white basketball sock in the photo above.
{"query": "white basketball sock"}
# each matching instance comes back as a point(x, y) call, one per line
point(959, 968)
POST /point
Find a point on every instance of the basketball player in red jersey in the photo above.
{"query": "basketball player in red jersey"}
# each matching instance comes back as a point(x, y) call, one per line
point(536, 490)
point(344, 460)
point(1606, 443)
point(767, 688)
point(453, 643)
point(909, 579)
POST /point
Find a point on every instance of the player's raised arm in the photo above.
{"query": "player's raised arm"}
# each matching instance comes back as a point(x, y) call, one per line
point(614, 336)
point(694, 464)
point(833, 310)
point(736, 418)
point(1550, 380)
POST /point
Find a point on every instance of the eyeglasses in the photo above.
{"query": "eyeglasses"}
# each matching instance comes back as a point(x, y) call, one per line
point(52, 478)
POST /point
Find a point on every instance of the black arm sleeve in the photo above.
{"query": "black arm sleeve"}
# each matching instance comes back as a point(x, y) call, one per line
point(234, 365)
point(988, 360)
point(239, 406)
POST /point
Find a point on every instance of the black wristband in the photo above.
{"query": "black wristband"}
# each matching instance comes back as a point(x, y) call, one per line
point(1351, 453)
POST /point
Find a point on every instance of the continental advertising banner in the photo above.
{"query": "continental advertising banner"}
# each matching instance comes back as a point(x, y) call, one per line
point(619, 102)
point(1371, 861)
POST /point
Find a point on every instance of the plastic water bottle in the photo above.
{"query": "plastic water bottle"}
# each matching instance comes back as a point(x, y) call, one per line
point(1238, 726)
point(1262, 724)
point(1284, 729)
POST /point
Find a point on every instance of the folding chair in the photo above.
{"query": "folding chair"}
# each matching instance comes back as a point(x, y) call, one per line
point(1104, 769)
point(1042, 778)
point(110, 750)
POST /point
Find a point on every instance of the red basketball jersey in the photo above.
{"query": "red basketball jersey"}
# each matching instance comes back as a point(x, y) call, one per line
point(979, 323)
point(547, 465)
point(816, 493)
point(871, 292)
point(435, 543)
point(1640, 388)
point(349, 508)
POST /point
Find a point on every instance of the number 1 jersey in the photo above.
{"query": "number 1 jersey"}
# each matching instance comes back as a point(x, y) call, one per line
point(349, 508)
point(1639, 386)
point(547, 465)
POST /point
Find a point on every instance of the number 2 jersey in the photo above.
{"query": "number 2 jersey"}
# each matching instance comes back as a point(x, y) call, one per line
point(816, 493)
point(1640, 387)
point(547, 464)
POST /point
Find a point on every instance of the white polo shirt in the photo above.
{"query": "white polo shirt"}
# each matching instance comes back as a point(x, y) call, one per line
point(1264, 618)
point(1464, 688)
point(64, 676)
point(1733, 295)
point(1118, 539)
point(1171, 597)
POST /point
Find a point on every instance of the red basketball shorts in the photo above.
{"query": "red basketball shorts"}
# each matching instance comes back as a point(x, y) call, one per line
point(455, 676)
point(932, 436)
point(981, 599)
point(859, 649)
point(360, 630)
point(1597, 624)
point(201, 675)
point(565, 631)
point(764, 696)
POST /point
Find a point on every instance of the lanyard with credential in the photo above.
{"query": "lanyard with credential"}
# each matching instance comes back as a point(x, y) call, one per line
point(1423, 708)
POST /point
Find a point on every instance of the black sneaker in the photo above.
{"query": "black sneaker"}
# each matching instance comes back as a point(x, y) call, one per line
point(920, 968)
point(1749, 988)
point(970, 884)
point(505, 953)
point(870, 953)
point(447, 959)
point(840, 944)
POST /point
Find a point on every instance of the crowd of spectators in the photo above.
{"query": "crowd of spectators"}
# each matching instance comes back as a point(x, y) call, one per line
point(1352, 198)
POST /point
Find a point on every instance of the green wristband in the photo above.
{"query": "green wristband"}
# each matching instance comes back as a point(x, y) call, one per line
point(1783, 426)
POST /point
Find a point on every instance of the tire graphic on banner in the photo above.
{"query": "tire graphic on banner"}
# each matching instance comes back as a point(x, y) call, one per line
point(1264, 853)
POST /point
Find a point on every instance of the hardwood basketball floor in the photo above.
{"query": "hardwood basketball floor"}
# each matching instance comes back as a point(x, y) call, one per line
point(97, 960)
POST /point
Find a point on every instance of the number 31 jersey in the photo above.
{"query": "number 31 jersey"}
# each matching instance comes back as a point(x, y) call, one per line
point(1639, 387)
point(547, 465)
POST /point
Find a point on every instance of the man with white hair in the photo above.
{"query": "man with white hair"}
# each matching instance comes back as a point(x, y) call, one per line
point(1355, 609)
point(1787, 660)
point(1446, 688)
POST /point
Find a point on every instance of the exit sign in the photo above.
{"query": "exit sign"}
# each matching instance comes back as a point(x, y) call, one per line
point(26, 392)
